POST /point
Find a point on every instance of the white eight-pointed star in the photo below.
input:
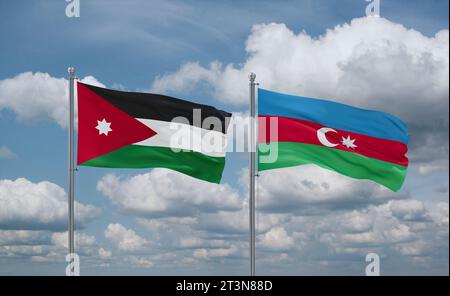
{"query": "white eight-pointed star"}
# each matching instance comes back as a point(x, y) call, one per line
point(349, 143)
point(103, 127)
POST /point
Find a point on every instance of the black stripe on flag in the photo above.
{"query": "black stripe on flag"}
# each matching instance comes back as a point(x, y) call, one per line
point(158, 107)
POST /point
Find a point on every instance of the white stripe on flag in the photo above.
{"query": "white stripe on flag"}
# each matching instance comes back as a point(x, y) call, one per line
point(179, 136)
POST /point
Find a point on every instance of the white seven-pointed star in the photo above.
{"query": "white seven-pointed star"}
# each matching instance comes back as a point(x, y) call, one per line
point(103, 127)
point(349, 143)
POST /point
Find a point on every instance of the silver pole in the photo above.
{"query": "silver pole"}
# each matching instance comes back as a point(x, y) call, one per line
point(71, 71)
point(252, 150)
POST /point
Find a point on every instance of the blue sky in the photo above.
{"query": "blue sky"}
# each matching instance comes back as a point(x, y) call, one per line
point(145, 45)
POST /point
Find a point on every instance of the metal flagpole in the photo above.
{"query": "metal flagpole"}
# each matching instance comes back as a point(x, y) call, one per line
point(252, 150)
point(71, 199)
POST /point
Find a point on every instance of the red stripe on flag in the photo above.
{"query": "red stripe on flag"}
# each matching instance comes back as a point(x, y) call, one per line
point(303, 131)
point(123, 129)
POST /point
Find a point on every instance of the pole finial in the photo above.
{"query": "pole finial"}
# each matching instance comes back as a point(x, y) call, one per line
point(252, 77)
point(71, 70)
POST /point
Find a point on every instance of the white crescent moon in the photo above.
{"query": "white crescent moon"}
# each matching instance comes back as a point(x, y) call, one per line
point(321, 135)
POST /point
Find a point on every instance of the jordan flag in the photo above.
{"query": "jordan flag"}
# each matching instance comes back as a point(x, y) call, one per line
point(140, 130)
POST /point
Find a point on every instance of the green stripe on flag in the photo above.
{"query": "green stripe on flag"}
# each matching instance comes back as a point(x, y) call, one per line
point(191, 163)
point(346, 163)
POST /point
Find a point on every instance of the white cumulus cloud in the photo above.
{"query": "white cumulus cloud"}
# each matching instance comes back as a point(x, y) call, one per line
point(38, 96)
point(38, 206)
point(124, 239)
point(104, 254)
point(277, 239)
point(163, 192)
point(23, 237)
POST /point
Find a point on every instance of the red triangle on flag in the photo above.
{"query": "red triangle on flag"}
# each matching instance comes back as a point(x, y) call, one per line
point(103, 128)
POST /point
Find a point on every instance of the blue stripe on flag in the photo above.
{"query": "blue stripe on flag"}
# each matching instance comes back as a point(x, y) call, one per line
point(335, 115)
